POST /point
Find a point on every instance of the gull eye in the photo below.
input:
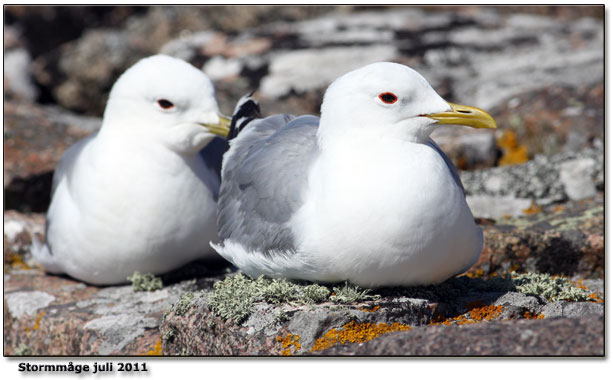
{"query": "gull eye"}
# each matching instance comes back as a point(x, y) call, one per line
point(388, 98)
point(165, 104)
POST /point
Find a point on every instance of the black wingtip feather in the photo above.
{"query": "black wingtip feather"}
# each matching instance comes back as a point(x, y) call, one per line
point(246, 110)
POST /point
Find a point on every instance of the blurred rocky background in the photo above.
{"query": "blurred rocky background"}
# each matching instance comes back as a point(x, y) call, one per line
point(535, 185)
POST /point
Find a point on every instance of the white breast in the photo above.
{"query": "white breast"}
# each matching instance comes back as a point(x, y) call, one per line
point(392, 215)
point(124, 212)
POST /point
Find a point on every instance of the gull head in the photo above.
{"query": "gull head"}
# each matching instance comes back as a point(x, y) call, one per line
point(166, 100)
point(390, 100)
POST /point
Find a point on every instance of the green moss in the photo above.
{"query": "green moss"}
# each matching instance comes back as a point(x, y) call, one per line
point(145, 282)
point(348, 294)
point(234, 297)
point(552, 288)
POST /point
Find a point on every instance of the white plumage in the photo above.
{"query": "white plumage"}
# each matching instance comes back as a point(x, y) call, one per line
point(138, 195)
point(363, 194)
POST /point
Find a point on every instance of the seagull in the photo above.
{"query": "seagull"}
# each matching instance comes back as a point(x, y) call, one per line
point(362, 194)
point(140, 194)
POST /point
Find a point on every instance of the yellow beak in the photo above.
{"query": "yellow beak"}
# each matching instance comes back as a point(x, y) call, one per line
point(464, 115)
point(220, 129)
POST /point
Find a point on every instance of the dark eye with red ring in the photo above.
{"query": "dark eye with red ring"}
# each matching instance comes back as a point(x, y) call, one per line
point(165, 104)
point(388, 98)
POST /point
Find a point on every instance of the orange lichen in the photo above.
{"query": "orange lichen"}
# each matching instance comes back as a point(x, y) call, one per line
point(529, 315)
point(475, 274)
point(477, 312)
point(579, 284)
point(374, 308)
point(290, 344)
point(157, 349)
point(594, 298)
point(558, 208)
point(37, 323)
point(513, 152)
point(15, 261)
point(458, 320)
point(533, 209)
point(485, 313)
point(354, 332)
point(440, 320)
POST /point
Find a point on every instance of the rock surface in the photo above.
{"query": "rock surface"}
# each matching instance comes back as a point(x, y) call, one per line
point(536, 74)
point(555, 337)
point(567, 240)
point(35, 137)
point(507, 190)
point(536, 185)
point(55, 315)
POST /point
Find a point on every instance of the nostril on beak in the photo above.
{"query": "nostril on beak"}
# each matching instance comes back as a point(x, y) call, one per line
point(464, 111)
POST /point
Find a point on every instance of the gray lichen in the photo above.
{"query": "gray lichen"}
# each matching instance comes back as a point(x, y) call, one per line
point(169, 335)
point(184, 303)
point(281, 317)
point(552, 288)
point(234, 297)
point(145, 282)
point(23, 350)
point(315, 293)
point(348, 294)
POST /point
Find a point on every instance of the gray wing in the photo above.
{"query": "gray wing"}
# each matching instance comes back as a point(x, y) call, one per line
point(452, 169)
point(263, 181)
point(212, 155)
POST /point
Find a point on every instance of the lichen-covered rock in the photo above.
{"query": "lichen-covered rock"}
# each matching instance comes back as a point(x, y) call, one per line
point(564, 239)
point(198, 326)
point(18, 82)
point(52, 315)
point(540, 76)
point(199, 330)
point(78, 74)
point(35, 137)
point(550, 337)
point(508, 190)
point(547, 81)
point(47, 314)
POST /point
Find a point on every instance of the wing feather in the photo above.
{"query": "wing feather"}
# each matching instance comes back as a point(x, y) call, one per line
point(264, 177)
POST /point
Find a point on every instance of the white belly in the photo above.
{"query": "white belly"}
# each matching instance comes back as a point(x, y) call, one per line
point(381, 221)
point(135, 214)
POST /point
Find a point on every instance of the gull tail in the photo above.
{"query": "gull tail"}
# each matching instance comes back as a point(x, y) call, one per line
point(245, 111)
point(42, 254)
point(274, 264)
